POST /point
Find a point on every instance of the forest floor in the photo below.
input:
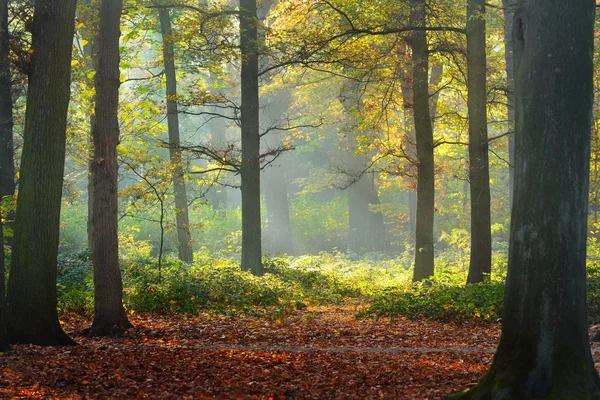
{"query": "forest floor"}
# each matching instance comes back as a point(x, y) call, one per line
point(319, 353)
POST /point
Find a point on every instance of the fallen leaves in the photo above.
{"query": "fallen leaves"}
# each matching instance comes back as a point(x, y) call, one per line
point(316, 354)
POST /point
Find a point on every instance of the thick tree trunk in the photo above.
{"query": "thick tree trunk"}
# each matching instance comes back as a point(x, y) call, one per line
point(109, 314)
point(509, 12)
point(31, 302)
point(544, 351)
point(424, 251)
point(184, 237)
point(480, 265)
point(250, 171)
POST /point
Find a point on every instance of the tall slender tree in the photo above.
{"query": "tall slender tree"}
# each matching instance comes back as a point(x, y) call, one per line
point(509, 12)
point(109, 314)
point(184, 237)
point(424, 251)
point(544, 352)
point(250, 169)
point(480, 264)
point(7, 169)
point(31, 302)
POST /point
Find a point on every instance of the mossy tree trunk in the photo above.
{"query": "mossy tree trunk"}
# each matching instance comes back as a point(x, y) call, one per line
point(31, 302)
point(480, 263)
point(544, 351)
point(109, 314)
point(250, 169)
point(424, 252)
point(184, 236)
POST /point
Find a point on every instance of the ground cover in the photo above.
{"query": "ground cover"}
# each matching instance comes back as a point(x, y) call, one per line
point(317, 353)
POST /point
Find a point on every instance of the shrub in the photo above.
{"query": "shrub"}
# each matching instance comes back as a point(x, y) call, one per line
point(440, 301)
point(75, 283)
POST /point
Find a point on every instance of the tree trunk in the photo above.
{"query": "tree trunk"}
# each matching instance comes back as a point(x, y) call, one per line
point(544, 350)
point(424, 251)
point(7, 166)
point(480, 265)
point(31, 302)
point(406, 87)
point(184, 237)
point(434, 81)
point(509, 12)
point(250, 170)
point(87, 11)
point(279, 228)
point(7, 169)
point(366, 228)
point(109, 315)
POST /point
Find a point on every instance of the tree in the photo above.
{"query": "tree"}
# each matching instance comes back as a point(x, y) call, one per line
point(480, 264)
point(250, 168)
point(7, 169)
point(424, 251)
point(31, 302)
point(184, 237)
point(544, 350)
point(509, 11)
point(109, 314)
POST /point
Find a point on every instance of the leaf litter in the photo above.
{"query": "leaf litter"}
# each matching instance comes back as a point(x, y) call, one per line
point(318, 353)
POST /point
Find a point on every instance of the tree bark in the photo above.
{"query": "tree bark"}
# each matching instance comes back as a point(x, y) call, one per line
point(406, 87)
point(279, 228)
point(509, 12)
point(544, 350)
point(31, 303)
point(7, 166)
point(88, 11)
point(366, 227)
point(424, 252)
point(184, 237)
point(435, 78)
point(109, 314)
point(250, 169)
point(7, 169)
point(480, 265)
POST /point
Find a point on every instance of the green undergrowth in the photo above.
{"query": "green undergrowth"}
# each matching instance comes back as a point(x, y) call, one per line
point(383, 284)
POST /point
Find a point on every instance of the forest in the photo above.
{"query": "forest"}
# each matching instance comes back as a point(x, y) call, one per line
point(312, 199)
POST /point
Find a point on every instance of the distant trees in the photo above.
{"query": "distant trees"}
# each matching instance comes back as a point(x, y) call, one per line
point(544, 350)
point(184, 237)
point(31, 313)
point(109, 314)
